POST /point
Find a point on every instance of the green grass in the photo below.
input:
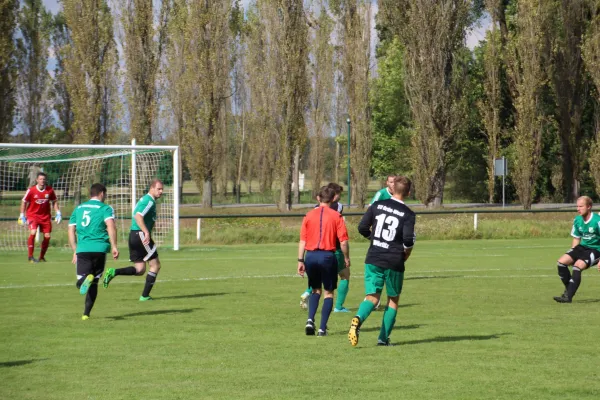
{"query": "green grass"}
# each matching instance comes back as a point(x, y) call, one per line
point(477, 321)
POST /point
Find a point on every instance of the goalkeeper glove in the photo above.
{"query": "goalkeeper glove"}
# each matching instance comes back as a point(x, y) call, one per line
point(22, 220)
point(58, 217)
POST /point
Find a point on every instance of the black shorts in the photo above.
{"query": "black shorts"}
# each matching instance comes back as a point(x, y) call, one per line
point(321, 268)
point(90, 263)
point(138, 251)
point(585, 254)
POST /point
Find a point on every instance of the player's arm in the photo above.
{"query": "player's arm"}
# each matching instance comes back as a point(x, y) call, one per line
point(139, 218)
point(576, 238)
point(24, 205)
point(58, 215)
point(73, 241)
point(111, 228)
point(408, 235)
point(364, 226)
point(302, 246)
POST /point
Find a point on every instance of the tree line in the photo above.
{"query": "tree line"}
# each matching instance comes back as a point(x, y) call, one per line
point(258, 94)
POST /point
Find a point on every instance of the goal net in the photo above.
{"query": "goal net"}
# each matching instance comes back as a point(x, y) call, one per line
point(126, 171)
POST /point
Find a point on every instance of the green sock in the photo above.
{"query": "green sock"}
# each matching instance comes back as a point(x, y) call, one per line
point(341, 294)
point(389, 319)
point(365, 310)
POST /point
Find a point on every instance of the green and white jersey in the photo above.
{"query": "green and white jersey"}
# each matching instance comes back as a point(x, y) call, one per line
point(147, 208)
point(588, 231)
point(89, 219)
point(383, 194)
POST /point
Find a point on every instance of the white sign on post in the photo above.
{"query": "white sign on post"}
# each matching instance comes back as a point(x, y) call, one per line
point(501, 169)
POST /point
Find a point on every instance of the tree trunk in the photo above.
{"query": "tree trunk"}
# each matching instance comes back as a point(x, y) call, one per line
point(207, 193)
point(297, 175)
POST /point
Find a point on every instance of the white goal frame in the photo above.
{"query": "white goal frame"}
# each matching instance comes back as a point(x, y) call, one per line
point(133, 147)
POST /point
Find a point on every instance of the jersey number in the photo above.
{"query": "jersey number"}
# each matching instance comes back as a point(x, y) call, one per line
point(85, 218)
point(391, 223)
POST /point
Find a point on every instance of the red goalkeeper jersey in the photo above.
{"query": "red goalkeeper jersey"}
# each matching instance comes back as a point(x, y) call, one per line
point(39, 203)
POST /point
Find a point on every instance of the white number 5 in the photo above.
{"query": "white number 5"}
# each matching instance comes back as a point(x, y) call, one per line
point(85, 218)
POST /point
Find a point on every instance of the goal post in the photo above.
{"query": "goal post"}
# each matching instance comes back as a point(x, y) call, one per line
point(125, 170)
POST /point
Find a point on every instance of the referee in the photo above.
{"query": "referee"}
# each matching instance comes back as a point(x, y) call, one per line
point(142, 249)
point(316, 255)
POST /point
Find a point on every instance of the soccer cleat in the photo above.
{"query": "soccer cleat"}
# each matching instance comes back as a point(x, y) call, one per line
point(564, 298)
point(343, 309)
point(85, 317)
point(322, 333)
point(143, 298)
point(87, 282)
point(42, 259)
point(108, 276)
point(32, 260)
point(354, 331)
point(304, 300)
point(384, 343)
point(310, 328)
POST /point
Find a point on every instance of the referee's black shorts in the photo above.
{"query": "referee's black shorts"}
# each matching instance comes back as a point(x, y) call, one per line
point(90, 263)
point(138, 251)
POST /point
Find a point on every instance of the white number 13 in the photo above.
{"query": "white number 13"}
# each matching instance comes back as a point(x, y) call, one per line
point(389, 233)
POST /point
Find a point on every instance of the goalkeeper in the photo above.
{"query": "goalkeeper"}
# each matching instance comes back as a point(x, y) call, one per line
point(35, 212)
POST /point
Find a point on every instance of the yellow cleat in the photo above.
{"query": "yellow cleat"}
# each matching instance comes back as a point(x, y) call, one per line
point(85, 317)
point(354, 331)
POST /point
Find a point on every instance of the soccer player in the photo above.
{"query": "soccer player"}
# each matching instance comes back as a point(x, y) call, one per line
point(320, 228)
point(584, 252)
point(142, 249)
point(343, 272)
point(387, 192)
point(35, 212)
point(390, 226)
point(92, 234)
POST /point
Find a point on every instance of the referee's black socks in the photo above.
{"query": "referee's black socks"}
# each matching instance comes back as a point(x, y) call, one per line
point(125, 271)
point(150, 279)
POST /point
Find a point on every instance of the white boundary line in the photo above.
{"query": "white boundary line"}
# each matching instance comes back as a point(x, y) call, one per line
point(222, 278)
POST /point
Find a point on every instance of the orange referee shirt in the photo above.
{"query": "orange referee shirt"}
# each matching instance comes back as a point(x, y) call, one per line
point(320, 228)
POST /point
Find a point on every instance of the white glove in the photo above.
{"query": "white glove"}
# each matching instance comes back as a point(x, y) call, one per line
point(22, 220)
point(58, 217)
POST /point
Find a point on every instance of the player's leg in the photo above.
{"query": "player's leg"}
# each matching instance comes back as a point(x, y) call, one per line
point(98, 262)
point(563, 269)
point(343, 284)
point(393, 285)
point(85, 275)
point(315, 281)
point(154, 264)
point(329, 273)
point(46, 229)
point(374, 280)
point(578, 267)
point(137, 252)
point(31, 241)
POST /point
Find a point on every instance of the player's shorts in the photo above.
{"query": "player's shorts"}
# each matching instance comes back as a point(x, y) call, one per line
point(585, 254)
point(90, 263)
point(341, 262)
point(321, 268)
point(45, 226)
point(138, 251)
point(376, 277)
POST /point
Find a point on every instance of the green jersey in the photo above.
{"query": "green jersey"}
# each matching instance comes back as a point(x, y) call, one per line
point(383, 194)
point(588, 231)
point(147, 208)
point(90, 218)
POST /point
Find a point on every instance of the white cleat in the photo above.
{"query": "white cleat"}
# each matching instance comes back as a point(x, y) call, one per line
point(304, 300)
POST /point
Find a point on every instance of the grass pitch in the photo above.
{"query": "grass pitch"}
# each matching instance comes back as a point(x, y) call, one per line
point(477, 321)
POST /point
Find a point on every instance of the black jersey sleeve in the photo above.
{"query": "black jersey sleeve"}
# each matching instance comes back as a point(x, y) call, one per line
point(364, 226)
point(408, 231)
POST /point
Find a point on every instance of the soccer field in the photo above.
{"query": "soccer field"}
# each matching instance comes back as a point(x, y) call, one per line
point(477, 321)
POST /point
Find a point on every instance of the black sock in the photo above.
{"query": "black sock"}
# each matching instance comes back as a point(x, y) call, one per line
point(325, 312)
point(565, 275)
point(575, 282)
point(150, 278)
point(90, 298)
point(80, 282)
point(125, 271)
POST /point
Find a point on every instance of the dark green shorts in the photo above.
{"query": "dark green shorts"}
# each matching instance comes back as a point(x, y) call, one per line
point(376, 277)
